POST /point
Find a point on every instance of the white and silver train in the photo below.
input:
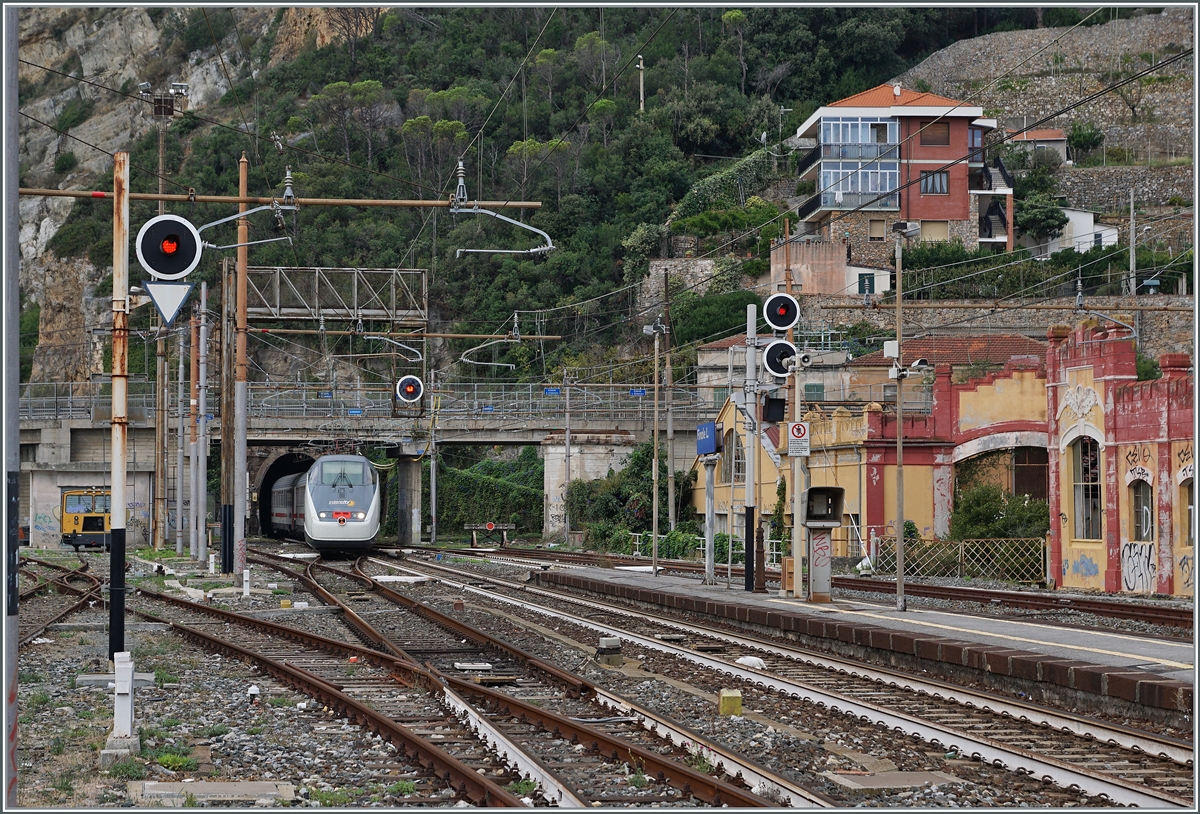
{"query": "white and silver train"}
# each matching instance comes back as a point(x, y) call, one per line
point(334, 506)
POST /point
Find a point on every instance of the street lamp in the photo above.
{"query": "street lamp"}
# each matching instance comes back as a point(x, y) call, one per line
point(657, 330)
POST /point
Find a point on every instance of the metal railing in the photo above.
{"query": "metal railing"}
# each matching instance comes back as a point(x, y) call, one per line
point(853, 200)
point(468, 400)
point(1020, 559)
point(642, 546)
point(885, 152)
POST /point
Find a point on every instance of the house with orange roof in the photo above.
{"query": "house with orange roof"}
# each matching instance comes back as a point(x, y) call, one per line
point(1047, 139)
point(893, 154)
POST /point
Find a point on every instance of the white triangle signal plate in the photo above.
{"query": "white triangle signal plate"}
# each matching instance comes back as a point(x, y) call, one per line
point(168, 298)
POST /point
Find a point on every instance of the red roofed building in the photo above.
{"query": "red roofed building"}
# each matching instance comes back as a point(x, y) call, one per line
point(893, 154)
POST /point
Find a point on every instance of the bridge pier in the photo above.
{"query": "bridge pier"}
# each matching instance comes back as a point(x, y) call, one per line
point(408, 502)
point(592, 455)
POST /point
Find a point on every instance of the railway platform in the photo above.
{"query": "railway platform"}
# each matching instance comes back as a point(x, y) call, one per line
point(1088, 668)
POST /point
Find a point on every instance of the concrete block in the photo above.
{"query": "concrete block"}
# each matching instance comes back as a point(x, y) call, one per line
point(610, 641)
point(730, 702)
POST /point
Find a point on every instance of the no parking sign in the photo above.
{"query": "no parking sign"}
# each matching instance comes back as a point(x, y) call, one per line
point(798, 434)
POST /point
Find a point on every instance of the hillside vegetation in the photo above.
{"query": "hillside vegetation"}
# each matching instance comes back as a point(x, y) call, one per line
point(387, 108)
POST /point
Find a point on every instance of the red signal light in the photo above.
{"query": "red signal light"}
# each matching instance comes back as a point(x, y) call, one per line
point(170, 245)
point(410, 389)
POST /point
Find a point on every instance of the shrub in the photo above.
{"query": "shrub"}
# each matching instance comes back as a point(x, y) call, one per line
point(177, 763)
point(65, 163)
point(76, 112)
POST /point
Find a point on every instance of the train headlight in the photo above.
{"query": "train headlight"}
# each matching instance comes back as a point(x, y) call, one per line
point(361, 516)
point(322, 515)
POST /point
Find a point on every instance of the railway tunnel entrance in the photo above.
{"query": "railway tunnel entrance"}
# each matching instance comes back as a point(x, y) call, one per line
point(289, 463)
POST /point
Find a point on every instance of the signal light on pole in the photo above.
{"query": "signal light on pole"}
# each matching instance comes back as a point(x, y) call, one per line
point(781, 311)
point(776, 356)
point(409, 389)
point(168, 247)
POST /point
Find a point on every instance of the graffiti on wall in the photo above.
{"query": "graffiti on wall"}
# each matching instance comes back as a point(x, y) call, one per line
point(1138, 463)
point(1138, 567)
point(1188, 571)
point(1084, 566)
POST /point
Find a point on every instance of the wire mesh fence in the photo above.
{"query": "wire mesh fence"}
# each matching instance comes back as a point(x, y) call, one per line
point(1020, 559)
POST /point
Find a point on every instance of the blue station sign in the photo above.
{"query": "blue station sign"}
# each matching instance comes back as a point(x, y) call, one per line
point(637, 391)
point(552, 391)
point(354, 411)
point(706, 438)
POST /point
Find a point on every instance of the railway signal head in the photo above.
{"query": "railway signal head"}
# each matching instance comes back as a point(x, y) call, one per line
point(781, 311)
point(168, 247)
point(409, 389)
point(775, 358)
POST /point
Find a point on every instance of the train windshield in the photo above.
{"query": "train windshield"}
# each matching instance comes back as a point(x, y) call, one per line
point(84, 503)
point(77, 504)
point(347, 473)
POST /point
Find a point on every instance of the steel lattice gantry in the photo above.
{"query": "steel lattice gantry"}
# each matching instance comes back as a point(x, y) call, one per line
point(397, 296)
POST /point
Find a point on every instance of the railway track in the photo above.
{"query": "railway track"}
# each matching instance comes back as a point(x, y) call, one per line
point(56, 593)
point(1169, 616)
point(1126, 766)
point(494, 675)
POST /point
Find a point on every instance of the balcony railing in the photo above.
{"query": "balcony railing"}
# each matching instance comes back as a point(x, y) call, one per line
point(868, 152)
point(808, 160)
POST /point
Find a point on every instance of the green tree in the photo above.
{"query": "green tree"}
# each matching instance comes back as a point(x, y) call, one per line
point(704, 319)
point(736, 21)
point(335, 106)
point(1084, 137)
point(1040, 216)
point(603, 112)
point(545, 63)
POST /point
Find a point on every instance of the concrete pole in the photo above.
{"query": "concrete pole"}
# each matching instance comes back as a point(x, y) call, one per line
point(12, 438)
point(654, 477)
point(225, 512)
point(201, 509)
point(710, 521)
point(800, 479)
point(567, 443)
point(900, 372)
point(432, 466)
point(179, 456)
point(1131, 289)
point(670, 412)
point(120, 384)
point(237, 543)
point(193, 444)
point(750, 423)
point(641, 85)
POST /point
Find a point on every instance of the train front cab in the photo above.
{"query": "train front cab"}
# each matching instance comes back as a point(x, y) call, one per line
point(86, 518)
point(341, 507)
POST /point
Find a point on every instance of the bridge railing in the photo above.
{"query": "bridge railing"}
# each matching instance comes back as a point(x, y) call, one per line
point(458, 401)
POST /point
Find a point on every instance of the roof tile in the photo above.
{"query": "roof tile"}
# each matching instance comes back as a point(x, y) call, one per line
point(885, 96)
point(961, 350)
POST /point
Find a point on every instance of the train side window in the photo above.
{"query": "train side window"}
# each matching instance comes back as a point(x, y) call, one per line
point(103, 503)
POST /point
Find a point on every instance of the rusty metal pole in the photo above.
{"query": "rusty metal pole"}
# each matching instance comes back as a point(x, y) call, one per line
point(670, 412)
point(120, 383)
point(179, 455)
point(237, 542)
point(11, 432)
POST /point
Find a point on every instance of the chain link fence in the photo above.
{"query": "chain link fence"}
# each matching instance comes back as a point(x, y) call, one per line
point(1020, 559)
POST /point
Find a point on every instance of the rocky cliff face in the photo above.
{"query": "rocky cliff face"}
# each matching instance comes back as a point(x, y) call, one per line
point(106, 53)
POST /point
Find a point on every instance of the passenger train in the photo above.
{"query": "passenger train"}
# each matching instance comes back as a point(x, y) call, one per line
point(334, 506)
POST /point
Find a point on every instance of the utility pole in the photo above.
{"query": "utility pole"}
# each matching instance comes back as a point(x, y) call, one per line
point(567, 443)
point(670, 413)
point(641, 66)
point(163, 110)
point(432, 464)
point(120, 385)
point(750, 423)
point(654, 479)
point(193, 448)
point(179, 455)
point(900, 371)
point(12, 435)
point(201, 510)
point(236, 547)
point(228, 433)
point(1131, 289)
point(800, 476)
